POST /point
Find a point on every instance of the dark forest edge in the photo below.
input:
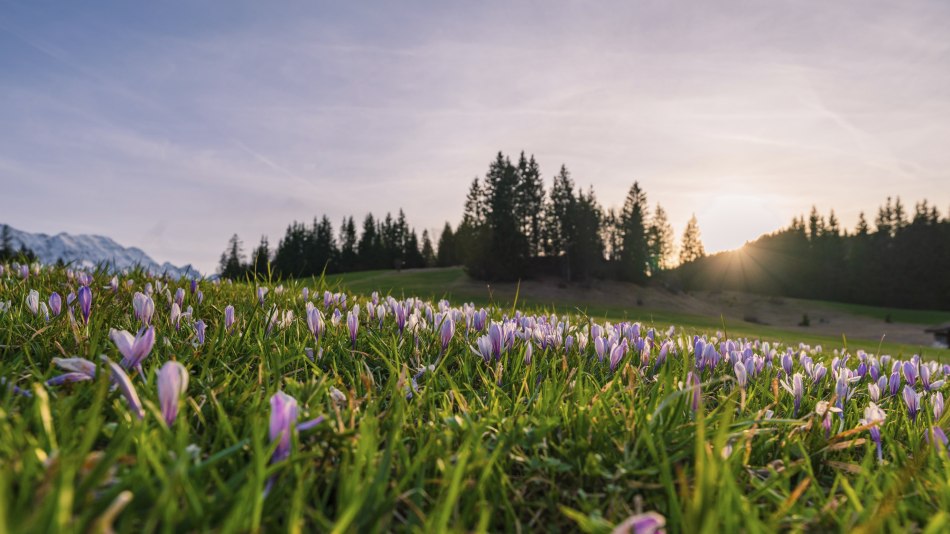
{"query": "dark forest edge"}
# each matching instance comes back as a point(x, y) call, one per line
point(512, 228)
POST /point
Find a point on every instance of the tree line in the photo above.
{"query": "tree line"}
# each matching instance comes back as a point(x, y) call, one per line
point(512, 227)
point(309, 250)
point(903, 260)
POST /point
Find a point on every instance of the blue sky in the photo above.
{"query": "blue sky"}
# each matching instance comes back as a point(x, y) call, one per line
point(172, 125)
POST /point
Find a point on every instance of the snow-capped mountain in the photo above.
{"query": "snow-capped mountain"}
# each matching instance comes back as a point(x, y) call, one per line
point(90, 250)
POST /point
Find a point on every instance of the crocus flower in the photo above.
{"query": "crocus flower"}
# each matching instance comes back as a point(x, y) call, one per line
point(315, 321)
point(283, 420)
point(874, 392)
point(797, 390)
point(495, 334)
point(174, 317)
point(180, 297)
point(114, 284)
point(894, 384)
point(648, 523)
point(353, 324)
point(617, 353)
point(172, 383)
point(910, 372)
point(55, 303)
point(144, 307)
point(935, 435)
point(742, 376)
point(692, 381)
point(120, 379)
point(937, 401)
point(261, 293)
point(600, 348)
point(448, 330)
point(194, 286)
point(305, 293)
point(200, 331)
point(874, 415)
point(484, 348)
point(229, 318)
point(925, 376)
point(78, 369)
point(33, 301)
point(133, 349)
point(912, 400)
point(85, 303)
point(528, 351)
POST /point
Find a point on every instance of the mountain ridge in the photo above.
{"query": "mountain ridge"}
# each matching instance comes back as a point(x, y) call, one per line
point(89, 250)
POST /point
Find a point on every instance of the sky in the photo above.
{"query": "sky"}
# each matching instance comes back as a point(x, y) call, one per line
point(172, 125)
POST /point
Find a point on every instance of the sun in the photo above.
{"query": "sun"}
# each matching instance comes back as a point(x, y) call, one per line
point(730, 219)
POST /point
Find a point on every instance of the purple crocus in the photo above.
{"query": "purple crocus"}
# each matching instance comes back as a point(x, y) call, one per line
point(200, 328)
point(144, 308)
point(229, 318)
point(600, 348)
point(742, 374)
point(120, 379)
point(315, 321)
point(55, 304)
point(180, 297)
point(484, 348)
point(937, 401)
point(873, 415)
point(894, 384)
point(910, 373)
point(495, 334)
point(283, 420)
point(448, 331)
point(617, 353)
point(353, 323)
point(133, 349)
point(261, 293)
point(648, 523)
point(692, 381)
point(912, 401)
point(172, 383)
point(78, 370)
point(528, 351)
point(85, 303)
point(797, 390)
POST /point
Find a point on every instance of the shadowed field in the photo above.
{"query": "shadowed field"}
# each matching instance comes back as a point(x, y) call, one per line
point(832, 324)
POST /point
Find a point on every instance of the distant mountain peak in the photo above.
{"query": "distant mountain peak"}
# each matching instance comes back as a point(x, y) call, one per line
point(89, 250)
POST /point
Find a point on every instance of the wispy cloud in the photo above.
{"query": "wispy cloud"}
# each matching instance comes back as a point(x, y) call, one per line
point(186, 123)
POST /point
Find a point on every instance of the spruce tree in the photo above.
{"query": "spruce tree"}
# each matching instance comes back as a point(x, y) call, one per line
point(691, 247)
point(428, 253)
point(660, 241)
point(447, 255)
point(634, 256)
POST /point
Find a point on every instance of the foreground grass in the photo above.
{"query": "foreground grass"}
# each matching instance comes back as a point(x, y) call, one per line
point(560, 443)
point(453, 284)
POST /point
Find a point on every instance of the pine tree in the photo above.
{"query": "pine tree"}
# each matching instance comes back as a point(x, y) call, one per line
point(368, 249)
point(348, 257)
point(558, 212)
point(428, 253)
point(660, 241)
point(691, 248)
point(586, 248)
point(260, 259)
point(530, 206)
point(634, 257)
point(447, 248)
point(231, 264)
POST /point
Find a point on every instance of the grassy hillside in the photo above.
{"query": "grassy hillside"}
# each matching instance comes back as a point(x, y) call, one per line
point(454, 285)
